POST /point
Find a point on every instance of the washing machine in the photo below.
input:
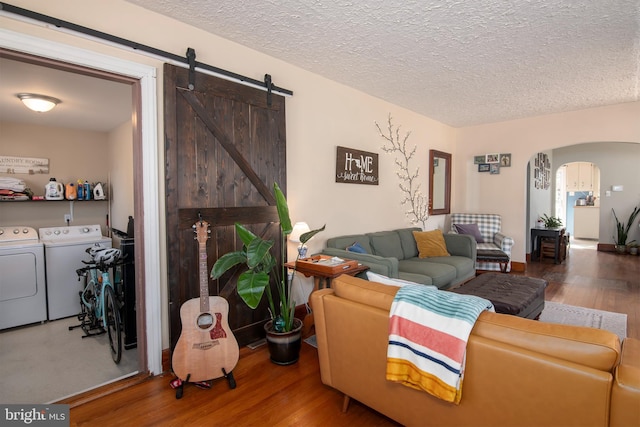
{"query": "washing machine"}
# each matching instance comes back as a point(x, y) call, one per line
point(23, 297)
point(64, 250)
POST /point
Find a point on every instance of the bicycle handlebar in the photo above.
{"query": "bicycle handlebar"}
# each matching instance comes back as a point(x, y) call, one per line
point(102, 266)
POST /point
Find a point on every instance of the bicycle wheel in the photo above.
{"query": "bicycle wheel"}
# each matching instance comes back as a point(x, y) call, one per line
point(113, 326)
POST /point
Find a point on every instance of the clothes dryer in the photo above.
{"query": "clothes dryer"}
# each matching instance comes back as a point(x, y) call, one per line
point(23, 297)
point(65, 249)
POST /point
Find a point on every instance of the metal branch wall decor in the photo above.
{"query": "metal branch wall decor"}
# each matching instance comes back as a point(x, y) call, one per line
point(418, 211)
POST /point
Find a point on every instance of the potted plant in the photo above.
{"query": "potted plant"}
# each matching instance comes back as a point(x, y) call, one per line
point(622, 230)
point(284, 331)
point(550, 221)
point(633, 248)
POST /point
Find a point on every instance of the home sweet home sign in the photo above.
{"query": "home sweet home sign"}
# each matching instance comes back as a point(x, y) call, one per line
point(356, 167)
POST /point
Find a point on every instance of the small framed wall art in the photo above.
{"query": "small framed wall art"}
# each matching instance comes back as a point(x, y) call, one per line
point(493, 158)
point(505, 160)
point(478, 160)
point(483, 167)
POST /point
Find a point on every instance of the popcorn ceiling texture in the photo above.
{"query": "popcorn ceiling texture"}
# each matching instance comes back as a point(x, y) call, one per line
point(459, 62)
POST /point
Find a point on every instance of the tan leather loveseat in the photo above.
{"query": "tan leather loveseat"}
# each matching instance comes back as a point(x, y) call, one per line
point(519, 372)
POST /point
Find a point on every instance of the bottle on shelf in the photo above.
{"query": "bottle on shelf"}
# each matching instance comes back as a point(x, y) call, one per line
point(70, 191)
point(87, 190)
point(54, 190)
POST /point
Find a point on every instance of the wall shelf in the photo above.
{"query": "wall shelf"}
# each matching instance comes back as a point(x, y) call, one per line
point(52, 201)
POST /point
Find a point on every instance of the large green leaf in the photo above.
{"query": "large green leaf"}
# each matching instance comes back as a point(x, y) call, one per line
point(283, 210)
point(226, 261)
point(251, 287)
point(305, 237)
point(257, 250)
point(245, 234)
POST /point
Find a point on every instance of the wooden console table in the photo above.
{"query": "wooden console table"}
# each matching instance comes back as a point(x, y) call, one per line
point(552, 233)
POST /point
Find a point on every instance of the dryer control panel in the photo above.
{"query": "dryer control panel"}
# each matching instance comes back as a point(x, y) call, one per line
point(70, 233)
point(17, 233)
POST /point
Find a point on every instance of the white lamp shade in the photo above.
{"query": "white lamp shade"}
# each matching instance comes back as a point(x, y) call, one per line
point(38, 103)
point(299, 228)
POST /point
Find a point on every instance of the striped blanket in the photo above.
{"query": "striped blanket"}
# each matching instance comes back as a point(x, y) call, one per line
point(428, 333)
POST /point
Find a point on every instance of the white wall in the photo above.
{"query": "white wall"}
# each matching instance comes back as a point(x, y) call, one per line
point(73, 154)
point(540, 199)
point(120, 148)
point(506, 193)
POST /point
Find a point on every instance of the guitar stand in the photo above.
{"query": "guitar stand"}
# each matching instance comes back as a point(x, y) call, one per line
point(178, 384)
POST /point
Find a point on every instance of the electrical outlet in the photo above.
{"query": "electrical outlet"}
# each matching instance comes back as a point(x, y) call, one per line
point(67, 218)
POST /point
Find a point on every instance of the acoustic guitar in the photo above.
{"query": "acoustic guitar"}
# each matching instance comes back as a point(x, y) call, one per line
point(206, 348)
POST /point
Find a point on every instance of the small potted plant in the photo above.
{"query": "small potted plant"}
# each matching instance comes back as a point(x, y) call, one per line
point(622, 230)
point(633, 248)
point(550, 221)
point(284, 331)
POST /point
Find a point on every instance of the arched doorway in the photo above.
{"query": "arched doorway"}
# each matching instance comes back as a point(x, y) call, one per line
point(577, 202)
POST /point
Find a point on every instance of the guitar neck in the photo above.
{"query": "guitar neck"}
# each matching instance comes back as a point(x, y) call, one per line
point(204, 281)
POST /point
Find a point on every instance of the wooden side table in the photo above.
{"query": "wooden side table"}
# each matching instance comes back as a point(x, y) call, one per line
point(323, 274)
point(552, 233)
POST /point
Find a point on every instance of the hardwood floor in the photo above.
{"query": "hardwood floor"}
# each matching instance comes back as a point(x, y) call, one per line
point(599, 280)
point(271, 395)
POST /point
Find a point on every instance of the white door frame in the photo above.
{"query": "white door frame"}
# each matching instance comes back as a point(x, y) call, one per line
point(151, 225)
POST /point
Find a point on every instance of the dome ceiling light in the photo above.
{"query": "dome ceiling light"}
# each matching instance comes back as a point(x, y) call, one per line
point(38, 103)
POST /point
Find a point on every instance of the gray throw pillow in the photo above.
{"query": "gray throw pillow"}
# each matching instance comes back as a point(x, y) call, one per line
point(471, 229)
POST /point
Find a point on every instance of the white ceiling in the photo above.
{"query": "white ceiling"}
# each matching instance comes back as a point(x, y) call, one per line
point(88, 103)
point(462, 62)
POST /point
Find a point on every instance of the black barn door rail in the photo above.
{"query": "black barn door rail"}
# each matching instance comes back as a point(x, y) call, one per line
point(189, 62)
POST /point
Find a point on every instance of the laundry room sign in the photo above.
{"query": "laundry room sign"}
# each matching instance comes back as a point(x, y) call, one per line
point(28, 165)
point(357, 167)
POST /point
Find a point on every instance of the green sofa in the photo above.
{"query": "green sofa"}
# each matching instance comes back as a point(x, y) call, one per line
point(394, 254)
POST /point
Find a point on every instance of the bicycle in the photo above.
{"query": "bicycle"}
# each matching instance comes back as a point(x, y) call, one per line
point(100, 307)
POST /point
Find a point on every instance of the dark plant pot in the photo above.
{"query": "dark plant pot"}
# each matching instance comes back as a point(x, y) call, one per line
point(621, 249)
point(284, 347)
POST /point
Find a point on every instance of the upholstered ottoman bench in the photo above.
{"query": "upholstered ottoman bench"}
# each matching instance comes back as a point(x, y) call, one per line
point(493, 255)
point(517, 295)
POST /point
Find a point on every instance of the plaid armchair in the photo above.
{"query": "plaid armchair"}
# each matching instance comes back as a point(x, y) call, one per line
point(490, 228)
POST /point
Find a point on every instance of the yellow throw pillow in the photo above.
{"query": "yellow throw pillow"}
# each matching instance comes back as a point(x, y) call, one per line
point(430, 243)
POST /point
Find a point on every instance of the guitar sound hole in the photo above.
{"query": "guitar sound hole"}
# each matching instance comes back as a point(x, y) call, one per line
point(205, 321)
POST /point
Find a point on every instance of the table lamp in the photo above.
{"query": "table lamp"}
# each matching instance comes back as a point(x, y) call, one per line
point(299, 228)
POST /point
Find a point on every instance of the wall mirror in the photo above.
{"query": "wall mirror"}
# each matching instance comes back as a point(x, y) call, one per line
point(440, 183)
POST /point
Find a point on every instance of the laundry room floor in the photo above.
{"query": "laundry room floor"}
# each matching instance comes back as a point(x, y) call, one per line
point(47, 362)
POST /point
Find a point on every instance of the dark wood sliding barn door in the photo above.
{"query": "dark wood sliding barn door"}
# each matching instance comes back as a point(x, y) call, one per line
point(224, 147)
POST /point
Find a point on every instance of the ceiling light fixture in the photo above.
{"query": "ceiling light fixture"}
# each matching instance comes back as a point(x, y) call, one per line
point(39, 103)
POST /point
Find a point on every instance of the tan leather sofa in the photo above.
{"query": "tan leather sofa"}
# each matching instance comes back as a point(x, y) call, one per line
point(519, 372)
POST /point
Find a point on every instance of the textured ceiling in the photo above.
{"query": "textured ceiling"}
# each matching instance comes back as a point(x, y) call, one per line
point(459, 62)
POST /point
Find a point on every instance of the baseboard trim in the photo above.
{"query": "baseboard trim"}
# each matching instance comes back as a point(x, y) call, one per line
point(606, 247)
point(105, 390)
point(518, 267)
point(166, 360)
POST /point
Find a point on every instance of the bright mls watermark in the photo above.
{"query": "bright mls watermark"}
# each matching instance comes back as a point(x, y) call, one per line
point(37, 415)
